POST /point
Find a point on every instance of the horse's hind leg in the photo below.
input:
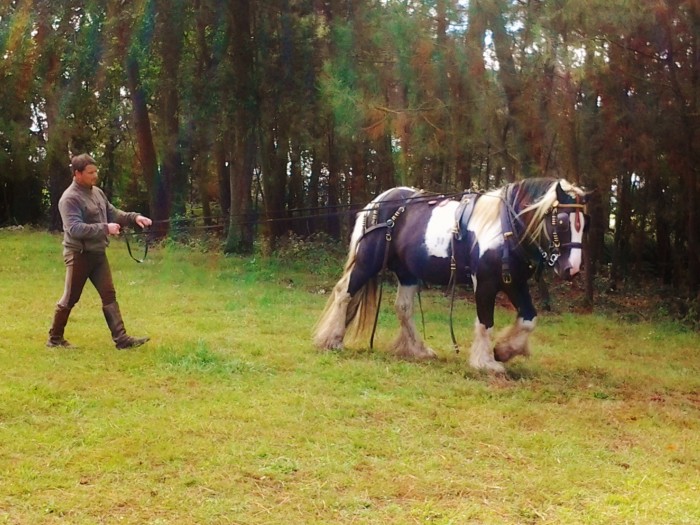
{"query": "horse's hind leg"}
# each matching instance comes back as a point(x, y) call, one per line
point(408, 344)
point(352, 303)
point(330, 330)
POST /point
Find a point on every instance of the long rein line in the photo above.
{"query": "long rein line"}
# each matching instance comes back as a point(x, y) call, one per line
point(342, 209)
point(349, 208)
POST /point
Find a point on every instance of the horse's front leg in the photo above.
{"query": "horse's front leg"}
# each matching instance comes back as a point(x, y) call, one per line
point(408, 344)
point(513, 340)
point(481, 355)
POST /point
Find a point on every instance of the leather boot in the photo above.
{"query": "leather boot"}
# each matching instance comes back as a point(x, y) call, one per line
point(116, 325)
point(60, 319)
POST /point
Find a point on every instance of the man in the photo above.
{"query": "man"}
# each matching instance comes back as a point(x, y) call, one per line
point(88, 221)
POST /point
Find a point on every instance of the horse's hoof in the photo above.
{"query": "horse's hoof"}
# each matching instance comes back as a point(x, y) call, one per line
point(425, 354)
point(330, 345)
point(428, 355)
point(505, 353)
point(497, 370)
point(492, 368)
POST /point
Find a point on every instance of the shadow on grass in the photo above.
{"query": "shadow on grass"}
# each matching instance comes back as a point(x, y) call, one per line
point(547, 384)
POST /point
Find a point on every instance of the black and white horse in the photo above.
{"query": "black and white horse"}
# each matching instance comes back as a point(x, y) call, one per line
point(497, 240)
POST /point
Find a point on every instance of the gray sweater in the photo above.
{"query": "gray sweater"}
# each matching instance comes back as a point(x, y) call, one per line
point(85, 213)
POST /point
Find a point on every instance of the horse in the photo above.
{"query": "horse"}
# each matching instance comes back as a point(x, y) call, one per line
point(497, 240)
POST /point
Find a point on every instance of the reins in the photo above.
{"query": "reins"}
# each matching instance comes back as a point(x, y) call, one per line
point(127, 235)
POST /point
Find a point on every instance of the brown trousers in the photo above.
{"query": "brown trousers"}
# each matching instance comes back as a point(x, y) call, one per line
point(83, 266)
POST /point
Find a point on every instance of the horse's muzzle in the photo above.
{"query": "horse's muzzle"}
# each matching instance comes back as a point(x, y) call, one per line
point(566, 273)
point(569, 273)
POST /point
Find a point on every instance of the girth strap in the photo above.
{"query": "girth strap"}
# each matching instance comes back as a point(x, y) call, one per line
point(463, 215)
point(508, 237)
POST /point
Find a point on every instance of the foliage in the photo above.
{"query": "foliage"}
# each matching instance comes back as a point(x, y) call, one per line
point(315, 251)
point(269, 107)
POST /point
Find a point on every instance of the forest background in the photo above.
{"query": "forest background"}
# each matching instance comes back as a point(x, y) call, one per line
point(268, 117)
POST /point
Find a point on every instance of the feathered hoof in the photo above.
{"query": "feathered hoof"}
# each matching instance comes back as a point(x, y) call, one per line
point(490, 367)
point(504, 352)
point(415, 354)
point(329, 344)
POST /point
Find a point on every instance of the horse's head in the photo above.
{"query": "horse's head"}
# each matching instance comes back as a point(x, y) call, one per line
point(565, 226)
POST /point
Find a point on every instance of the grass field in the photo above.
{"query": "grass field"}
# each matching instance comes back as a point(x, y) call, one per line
point(230, 416)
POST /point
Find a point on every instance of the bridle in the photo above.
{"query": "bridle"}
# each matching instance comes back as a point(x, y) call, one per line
point(560, 220)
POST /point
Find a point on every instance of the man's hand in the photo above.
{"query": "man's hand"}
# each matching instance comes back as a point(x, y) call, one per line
point(113, 228)
point(143, 221)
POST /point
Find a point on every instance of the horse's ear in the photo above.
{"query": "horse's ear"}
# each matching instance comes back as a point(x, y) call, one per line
point(586, 197)
point(562, 196)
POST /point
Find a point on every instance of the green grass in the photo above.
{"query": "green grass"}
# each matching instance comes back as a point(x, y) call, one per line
point(229, 415)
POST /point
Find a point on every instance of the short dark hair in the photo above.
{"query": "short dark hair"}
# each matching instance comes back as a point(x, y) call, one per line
point(80, 162)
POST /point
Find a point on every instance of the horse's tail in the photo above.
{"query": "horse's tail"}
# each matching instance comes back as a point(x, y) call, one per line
point(345, 314)
point(355, 314)
point(362, 310)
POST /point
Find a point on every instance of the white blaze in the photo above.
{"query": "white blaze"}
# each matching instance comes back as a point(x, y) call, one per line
point(576, 236)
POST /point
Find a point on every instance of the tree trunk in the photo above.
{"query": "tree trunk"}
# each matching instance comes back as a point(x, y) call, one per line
point(171, 186)
point(145, 147)
point(314, 201)
point(385, 164)
point(241, 233)
point(515, 94)
point(358, 181)
point(622, 221)
point(295, 199)
point(274, 181)
point(332, 221)
point(58, 174)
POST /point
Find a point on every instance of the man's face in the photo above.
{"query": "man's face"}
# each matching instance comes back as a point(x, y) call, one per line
point(87, 177)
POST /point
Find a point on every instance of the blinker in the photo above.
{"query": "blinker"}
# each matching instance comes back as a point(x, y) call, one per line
point(563, 222)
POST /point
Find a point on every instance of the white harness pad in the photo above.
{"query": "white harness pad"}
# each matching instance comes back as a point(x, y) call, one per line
point(438, 233)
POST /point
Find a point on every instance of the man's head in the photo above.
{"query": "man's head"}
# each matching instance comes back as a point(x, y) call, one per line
point(84, 170)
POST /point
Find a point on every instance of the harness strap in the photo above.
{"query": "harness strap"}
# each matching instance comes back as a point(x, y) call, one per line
point(422, 315)
point(507, 228)
point(389, 225)
point(572, 245)
point(381, 290)
point(452, 286)
point(462, 217)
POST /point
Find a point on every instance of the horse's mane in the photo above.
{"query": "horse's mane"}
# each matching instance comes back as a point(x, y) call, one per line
point(542, 206)
point(487, 212)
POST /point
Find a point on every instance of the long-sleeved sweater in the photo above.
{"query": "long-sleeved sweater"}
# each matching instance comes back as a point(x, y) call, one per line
point(85, 213)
